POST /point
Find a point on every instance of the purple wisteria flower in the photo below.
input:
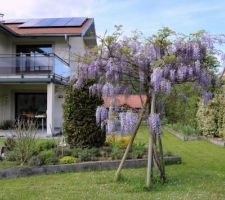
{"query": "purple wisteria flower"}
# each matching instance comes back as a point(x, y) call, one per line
point(101, 114)
point(108, 90)
point(154, 123)
point(111, 126)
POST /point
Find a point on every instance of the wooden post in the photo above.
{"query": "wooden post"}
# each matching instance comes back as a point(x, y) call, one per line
point(131, 142)
point(150, 149)
point(162, 175)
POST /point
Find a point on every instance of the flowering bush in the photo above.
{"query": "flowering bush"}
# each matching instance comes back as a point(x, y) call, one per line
point(67, 160)
point(118, 140)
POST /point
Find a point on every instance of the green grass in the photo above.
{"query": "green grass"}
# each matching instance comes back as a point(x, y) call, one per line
point(200, 176)
point(2, 141)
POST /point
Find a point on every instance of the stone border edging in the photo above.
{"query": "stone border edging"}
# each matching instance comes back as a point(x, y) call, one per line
point(97, 165)
point(182, 136)
point(193, 137)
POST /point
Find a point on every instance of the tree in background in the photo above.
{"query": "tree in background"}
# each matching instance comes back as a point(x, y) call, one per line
point(79, 125)
point(157, 64)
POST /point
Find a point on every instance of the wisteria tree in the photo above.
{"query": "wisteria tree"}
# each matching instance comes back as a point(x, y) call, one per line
point(149, 67)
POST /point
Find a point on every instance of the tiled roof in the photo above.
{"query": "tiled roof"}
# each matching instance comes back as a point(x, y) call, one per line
point(133, 101)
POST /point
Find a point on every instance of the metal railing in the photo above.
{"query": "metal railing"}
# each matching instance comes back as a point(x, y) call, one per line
point(35, 64)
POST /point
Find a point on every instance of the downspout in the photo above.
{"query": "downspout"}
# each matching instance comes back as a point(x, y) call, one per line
point(67, 40)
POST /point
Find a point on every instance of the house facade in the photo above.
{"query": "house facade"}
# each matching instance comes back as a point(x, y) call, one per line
point(37, 57)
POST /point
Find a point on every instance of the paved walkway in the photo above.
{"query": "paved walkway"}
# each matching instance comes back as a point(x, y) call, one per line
point(39, 134)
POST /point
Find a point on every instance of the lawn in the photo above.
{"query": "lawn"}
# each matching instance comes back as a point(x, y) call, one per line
point(1, 141)
point(200, 176)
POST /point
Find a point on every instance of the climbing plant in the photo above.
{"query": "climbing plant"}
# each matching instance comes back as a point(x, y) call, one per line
point(150, 66)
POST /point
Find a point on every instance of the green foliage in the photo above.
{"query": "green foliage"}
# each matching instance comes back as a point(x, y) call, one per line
point(200, 176)
point(177, 111)
point(211, 117)
point(79, 118)
point(185, 129)
point(12, 155)
point(35, 161)
point(10, 143)
point(67, 160)
point(48, 157)
point(86, 154)
point(120, 141)
point(25, 142)
point(65, 151)
point(117, 152)
point(138, 150)
point(45, 145)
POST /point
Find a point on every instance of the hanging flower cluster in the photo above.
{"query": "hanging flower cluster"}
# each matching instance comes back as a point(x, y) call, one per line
point(154, 123)
point(101, 114)
point(128, 121)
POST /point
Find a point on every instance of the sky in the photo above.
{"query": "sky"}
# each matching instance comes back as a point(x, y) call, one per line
point(147, 16)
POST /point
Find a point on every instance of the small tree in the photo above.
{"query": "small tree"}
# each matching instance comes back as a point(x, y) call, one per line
point(79, 125)
point(150, 67)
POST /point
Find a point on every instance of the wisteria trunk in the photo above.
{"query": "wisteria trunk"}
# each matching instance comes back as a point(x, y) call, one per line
point(131, 141)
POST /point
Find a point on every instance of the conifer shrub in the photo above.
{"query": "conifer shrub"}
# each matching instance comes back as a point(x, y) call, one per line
point(80, 126)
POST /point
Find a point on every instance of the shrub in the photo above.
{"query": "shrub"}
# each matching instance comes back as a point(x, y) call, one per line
point(48, 157)
point(45, 145)
point(67, 160)
point(80, 125)
point(12, 155)
point(87, 154)
point(64, 152)
point(25, 132)
point(121, 141)
point(10, 143)
point(117, 152)
point(35, 161)
point(138, 150)
point(76, 152)
point(185, 129)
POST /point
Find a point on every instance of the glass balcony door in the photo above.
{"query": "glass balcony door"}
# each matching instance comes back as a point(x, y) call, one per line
point(34, 58)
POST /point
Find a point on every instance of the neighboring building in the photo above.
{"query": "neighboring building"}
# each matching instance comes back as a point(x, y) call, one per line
point(134, 101)
point(36, 60)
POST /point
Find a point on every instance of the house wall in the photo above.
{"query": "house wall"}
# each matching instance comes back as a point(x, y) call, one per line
point(6, 46)
point(7, 100)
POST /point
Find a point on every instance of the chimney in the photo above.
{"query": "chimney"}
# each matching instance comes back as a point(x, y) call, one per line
point(1, 17)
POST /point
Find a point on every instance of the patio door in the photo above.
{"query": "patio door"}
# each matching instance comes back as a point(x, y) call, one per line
point(30, 104)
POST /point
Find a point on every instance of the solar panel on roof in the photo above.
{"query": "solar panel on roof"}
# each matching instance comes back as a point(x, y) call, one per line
point(30, 23)
point(76, 21)
point(61, 22)
point(54, 22)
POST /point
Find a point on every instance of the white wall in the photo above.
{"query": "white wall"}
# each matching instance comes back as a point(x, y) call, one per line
point(5, 43)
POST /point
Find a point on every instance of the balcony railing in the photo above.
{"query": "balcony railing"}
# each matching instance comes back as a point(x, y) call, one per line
point(35, 64)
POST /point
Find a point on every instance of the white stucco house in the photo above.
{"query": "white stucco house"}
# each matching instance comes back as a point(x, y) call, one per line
point(36, 60)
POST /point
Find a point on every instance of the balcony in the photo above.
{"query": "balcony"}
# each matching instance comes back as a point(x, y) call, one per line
point(34, 66)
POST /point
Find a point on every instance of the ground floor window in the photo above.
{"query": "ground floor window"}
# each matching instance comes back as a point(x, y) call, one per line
point(30, 104)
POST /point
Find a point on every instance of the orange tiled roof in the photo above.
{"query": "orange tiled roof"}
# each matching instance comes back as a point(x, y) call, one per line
point(133, 101)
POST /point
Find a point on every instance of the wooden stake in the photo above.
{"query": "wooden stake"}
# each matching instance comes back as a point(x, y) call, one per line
point(162, 177)
point(150, 150)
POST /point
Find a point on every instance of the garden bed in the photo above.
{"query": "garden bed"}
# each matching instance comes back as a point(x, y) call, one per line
point(94, 165)
point(214, 140)
point(183, 136)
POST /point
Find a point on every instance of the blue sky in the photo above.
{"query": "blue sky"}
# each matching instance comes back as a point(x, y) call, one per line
point(146, 16)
